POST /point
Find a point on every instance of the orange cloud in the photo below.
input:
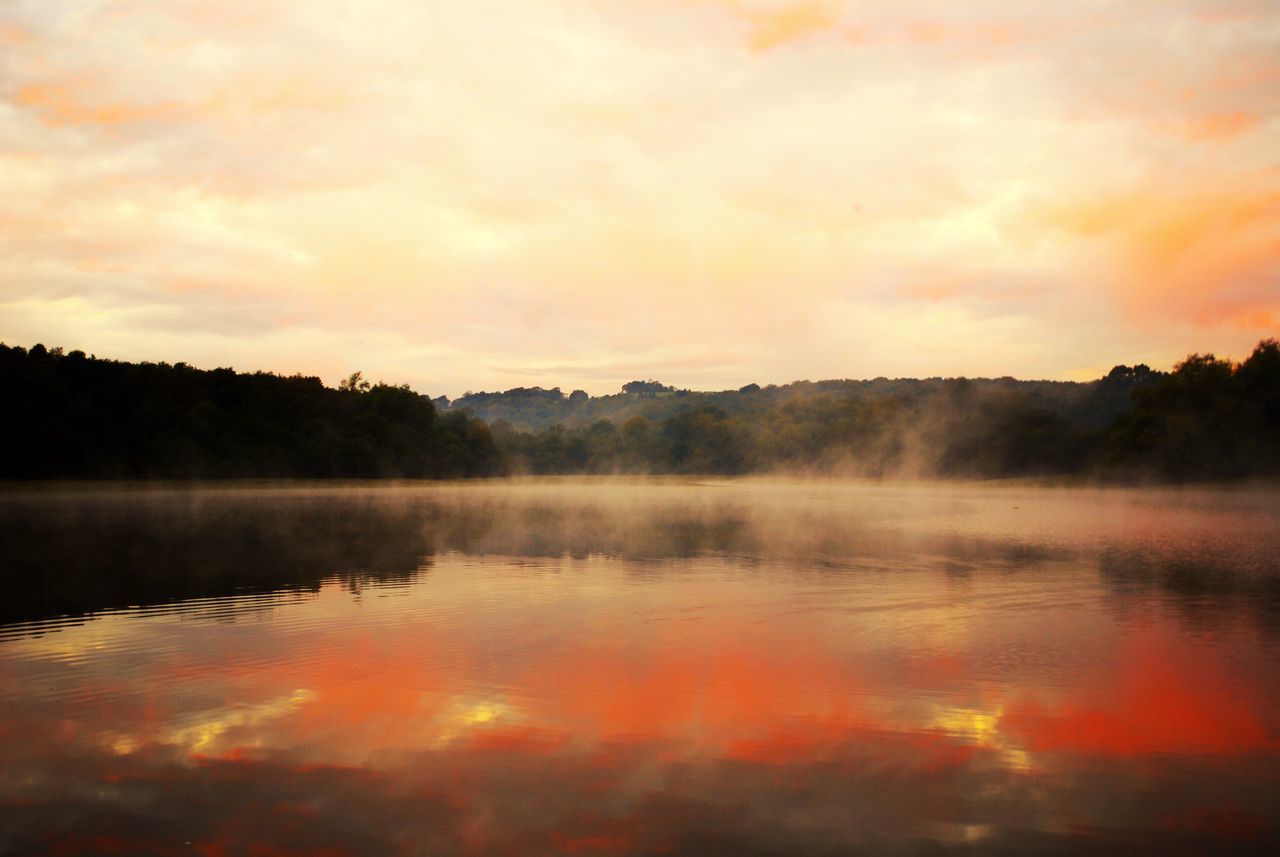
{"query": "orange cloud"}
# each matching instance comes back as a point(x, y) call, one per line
point(934, 290)
point(1205, 255)
point(927, 32)
point(774, 24)
point(770, 28)
point(62, 104)
point(760, 180)
point(73, 102)
point(11, 34)
point(1219, 127)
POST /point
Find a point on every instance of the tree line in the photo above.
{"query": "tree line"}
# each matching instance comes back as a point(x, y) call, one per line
point(73, 416)
point(1207, 419)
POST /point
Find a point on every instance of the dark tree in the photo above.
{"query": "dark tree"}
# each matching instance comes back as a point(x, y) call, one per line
point(75, 417)
point(649, 386)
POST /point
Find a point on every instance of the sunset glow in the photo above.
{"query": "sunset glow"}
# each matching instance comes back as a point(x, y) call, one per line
point(579, 192)
point(614, 666)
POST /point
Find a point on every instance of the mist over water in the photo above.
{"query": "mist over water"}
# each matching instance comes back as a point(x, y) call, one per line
point(615, 666)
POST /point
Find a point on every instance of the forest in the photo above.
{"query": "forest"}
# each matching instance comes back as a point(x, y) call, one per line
point(1207, 419)
point(72, 416)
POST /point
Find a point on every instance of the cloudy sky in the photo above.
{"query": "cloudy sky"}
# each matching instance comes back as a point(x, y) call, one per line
point(495, 193)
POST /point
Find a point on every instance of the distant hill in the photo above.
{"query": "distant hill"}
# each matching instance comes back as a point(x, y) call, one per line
point(1207, 419)
point(1091, 404)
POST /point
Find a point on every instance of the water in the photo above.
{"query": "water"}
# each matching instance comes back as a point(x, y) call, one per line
point(616, 667)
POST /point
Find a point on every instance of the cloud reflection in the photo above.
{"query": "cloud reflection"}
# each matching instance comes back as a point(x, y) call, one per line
point(562, 680)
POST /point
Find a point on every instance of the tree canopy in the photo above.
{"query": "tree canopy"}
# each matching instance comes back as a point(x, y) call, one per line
point(72, 416)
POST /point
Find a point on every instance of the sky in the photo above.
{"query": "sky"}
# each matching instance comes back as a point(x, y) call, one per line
point(577, 193)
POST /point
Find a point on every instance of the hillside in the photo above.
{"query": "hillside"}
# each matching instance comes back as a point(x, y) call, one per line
point(1207, 419)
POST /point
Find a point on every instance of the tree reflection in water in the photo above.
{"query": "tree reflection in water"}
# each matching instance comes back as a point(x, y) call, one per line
point(637, 667)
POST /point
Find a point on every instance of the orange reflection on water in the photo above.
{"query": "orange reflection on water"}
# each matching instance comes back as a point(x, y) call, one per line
point(523, 704)
point(1161, 695)
point(718, 686)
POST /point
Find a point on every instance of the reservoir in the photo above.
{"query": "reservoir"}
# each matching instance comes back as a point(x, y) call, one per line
point(638, 666)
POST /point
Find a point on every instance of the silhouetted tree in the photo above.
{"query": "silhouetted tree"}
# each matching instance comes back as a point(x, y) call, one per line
point(354, 383)
point(71, 416)
point(649, 386)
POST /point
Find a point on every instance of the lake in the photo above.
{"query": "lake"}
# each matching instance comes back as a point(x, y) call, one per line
point(639, 667)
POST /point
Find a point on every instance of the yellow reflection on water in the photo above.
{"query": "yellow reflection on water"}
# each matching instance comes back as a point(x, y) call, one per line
point(982, 728)
point(460, 717)
point(202, 734)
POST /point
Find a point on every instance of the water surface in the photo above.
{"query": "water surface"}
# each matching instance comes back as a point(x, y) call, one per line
point(616, 667)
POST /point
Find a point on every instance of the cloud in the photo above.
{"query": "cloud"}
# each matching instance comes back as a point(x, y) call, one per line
point(1211, 256)
point(777, 26)
point(573, 183)
point(1219, 127)
point(62, 104)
